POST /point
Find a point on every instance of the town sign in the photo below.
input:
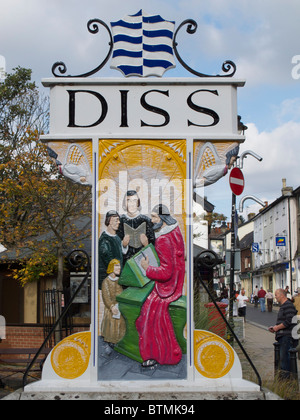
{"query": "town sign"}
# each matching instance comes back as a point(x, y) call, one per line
point(143, 144)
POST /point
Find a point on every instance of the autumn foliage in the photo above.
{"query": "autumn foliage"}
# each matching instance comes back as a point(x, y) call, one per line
point(39, 208)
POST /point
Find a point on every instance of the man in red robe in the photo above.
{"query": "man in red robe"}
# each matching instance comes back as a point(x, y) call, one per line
point(157, 340)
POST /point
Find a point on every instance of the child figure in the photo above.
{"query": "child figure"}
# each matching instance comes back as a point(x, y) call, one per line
point(113, 325)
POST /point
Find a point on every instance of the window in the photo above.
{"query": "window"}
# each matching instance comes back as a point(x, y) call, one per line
point(271, 282)
point(271, 250)
point(266, 252)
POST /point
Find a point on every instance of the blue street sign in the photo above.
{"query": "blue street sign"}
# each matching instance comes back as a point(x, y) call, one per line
point(255, 247)
point(280, 241)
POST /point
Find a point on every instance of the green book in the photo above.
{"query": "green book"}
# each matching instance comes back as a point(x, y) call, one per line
point(133, 274)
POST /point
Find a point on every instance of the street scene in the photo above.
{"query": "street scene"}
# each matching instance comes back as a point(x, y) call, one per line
point(149, 201)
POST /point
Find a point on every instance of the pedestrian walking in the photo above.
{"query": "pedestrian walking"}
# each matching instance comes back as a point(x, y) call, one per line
point(234, 305)
point(255, 295)
point(242, 305)
point(262, 299)
point(270, 300)
point(283, 330)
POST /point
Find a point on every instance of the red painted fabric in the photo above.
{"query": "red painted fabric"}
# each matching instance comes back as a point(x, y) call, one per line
point(157, 339)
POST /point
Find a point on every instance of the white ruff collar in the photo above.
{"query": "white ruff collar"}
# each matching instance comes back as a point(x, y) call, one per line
point(113, 279)
point(165, 230)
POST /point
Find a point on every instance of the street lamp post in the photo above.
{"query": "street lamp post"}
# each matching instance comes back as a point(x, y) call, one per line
point(250, 197)
point(239, 164)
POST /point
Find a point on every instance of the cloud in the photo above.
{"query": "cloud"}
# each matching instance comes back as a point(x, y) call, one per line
point(252, 33)
point(261, 37)
point(280, 149)
point(288, 110)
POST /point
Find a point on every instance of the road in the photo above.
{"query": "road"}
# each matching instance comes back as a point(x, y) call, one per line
point(264, 319)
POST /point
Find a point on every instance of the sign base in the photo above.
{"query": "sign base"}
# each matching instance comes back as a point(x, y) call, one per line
point(196, 386)
point(183, 390)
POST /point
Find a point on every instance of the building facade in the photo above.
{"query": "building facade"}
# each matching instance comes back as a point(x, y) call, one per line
point(276, 237)
point(268, 246)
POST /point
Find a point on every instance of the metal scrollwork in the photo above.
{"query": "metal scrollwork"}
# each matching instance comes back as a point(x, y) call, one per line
point(227, 67)
point(79, 259)
point(208, 259)
point(93, 27)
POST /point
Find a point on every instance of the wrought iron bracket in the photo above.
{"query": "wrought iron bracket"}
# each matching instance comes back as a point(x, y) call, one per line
point(59, 68)
point(209, 259)
point(93, 27)
point(227, 67)
point(77, 258)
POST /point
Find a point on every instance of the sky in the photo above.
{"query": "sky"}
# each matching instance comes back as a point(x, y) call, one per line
point(260, 37)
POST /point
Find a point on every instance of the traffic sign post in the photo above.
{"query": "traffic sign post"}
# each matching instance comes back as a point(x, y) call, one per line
point(237, 185)
point(232, 264)
point(237, 181)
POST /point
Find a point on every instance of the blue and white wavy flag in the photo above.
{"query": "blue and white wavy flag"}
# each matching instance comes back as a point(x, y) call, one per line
point(143, 45)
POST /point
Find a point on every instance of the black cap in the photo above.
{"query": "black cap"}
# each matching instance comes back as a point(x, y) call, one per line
point(164, 214)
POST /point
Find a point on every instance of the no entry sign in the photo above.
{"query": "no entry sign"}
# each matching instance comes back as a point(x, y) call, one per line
point(237, 181)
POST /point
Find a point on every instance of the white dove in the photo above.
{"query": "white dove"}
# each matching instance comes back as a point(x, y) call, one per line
point(209, 167)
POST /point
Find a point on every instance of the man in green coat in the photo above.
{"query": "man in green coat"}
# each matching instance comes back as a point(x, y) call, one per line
point(110, 245)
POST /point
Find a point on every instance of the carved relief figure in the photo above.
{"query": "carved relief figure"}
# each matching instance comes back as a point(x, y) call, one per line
point(210, 166)
point(157, 340)
point(76, 158)
point(110, 245)
point(135, 229)
point(113, 325)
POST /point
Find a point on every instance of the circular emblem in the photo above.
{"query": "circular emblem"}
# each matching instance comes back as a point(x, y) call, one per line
point(213, 356)
point(70, 358)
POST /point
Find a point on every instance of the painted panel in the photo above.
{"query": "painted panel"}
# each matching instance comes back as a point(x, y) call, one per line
point(213, 160)
point(142, 281)
point(74, 159)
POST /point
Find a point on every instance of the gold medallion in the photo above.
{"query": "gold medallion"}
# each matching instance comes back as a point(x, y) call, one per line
point(213, 356)
point(70, 358)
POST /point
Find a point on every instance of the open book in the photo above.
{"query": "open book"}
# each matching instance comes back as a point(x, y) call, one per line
point(135, 241)
point(146, 252)
point(133, 274)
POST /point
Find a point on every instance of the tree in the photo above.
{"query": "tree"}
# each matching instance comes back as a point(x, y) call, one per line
point(38, 207)
point(21, 107)
point(214, 219)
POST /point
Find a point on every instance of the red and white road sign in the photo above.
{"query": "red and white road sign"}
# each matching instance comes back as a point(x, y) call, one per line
point(236, 181)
